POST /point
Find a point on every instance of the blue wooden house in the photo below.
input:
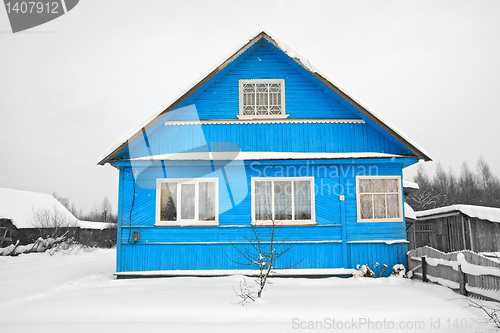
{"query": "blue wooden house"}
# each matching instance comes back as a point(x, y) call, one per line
point(263, 140)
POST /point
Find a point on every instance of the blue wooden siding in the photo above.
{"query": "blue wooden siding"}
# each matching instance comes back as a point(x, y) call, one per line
point(319, 246)
point(150, 257)
point(145, 257)
point(143, 213)
point(304, 99)
point(274, 137)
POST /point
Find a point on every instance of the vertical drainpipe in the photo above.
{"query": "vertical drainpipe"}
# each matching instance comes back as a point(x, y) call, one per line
point(345, 262)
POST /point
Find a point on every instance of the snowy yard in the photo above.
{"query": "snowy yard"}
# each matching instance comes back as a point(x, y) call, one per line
point(77, 293)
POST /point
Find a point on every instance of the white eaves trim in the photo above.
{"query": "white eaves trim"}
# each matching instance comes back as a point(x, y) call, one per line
point(388, 242)
point(265, 121)
point(264, 155)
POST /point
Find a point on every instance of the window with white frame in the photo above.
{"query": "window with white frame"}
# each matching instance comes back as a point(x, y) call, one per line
point(379, 199)
point(286, 201)
point(262, 98)
point(187, 202)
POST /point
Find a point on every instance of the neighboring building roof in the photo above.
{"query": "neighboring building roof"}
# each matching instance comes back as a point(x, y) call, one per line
point(95, 225)
point(483, 213)
point(19, 206)
point(409, 212)
point(367, 115)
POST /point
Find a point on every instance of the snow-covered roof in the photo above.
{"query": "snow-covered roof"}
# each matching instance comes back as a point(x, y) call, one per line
point(409, 212)
point(410, 185)
point(94, 225)
point(259, 155)
point(160, 113)
point(19, 206)
point(483, 213)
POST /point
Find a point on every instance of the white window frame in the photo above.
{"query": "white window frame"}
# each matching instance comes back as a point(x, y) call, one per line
point(185, 222)
point(312, 221)
point(400, 199)
point(281, 82)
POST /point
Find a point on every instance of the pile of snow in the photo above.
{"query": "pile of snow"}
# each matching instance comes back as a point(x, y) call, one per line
point(409, 212)
point(399, 271)
point(410, 185)
point(77, 293)
point(483, 213)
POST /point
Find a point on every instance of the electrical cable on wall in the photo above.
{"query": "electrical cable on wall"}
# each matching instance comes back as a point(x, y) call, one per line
point(131, 208)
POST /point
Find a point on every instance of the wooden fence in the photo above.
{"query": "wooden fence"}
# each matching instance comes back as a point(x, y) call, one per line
point(463, 271)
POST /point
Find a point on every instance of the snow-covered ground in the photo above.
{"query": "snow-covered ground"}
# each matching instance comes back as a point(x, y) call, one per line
point(77, 293)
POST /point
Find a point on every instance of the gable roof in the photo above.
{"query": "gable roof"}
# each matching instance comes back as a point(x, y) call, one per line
point(364, 113)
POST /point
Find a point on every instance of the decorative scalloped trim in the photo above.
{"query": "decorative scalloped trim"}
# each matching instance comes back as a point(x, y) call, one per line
point(265, 121)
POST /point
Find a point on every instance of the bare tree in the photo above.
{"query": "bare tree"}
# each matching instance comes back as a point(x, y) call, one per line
point(262, 249)
point(492, 312)
point(480, 187)
point(105, 209)
point(66, 203)
point(51, 222)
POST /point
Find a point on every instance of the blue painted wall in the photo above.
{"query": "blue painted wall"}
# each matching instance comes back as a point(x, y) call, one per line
point(280, 137)
point(318, 246)
point(304, 99)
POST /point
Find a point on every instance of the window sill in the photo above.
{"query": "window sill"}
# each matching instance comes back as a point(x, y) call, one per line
point(251, 117)
point(187, 224)
point(283, 223)
point(380, 220)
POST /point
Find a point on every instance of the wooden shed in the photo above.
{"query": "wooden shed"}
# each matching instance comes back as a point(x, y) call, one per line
point(458, 227)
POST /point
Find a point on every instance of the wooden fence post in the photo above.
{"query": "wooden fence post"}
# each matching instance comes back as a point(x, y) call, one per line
point(424, 269)
point(462, 280)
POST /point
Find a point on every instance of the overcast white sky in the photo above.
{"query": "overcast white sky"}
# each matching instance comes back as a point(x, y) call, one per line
point(70, 88)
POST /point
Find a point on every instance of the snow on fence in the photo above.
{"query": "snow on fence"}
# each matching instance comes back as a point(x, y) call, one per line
point(464, 271)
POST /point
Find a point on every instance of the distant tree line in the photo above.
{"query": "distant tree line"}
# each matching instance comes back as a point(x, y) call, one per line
point(471, 187)
point(99, 213)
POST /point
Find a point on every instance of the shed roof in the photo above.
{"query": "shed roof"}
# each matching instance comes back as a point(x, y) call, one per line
point(367, 115)
point(484, 213)
point(18, 206)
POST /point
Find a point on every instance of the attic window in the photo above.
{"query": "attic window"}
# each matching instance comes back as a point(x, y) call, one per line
point(264, 98)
